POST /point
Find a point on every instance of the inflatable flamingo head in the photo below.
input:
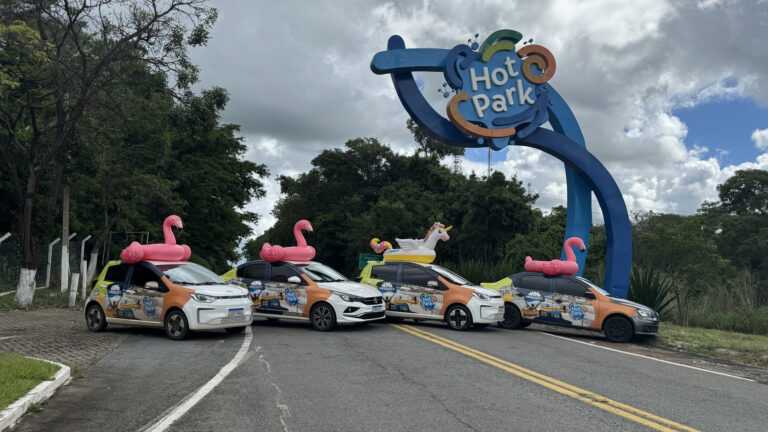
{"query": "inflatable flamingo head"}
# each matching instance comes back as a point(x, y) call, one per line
point(173, 220)
point(575, 241)
point(303, 225)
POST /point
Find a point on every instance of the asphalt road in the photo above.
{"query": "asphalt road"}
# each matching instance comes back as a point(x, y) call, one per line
point(396, 377)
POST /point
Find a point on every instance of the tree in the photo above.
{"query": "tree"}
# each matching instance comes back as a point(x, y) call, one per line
point(428, 146)
point(745, 193)
point(76, 49)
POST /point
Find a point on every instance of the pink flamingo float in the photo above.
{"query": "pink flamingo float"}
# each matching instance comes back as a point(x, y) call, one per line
point(300, 252)
point(168, 251)
point(556, 266)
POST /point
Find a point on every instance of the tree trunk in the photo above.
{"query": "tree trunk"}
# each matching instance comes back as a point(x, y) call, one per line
point(92, 265)
point(25, 291)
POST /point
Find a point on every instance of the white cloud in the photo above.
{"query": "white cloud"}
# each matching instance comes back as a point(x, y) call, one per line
point(300, 82)
point(760, 137)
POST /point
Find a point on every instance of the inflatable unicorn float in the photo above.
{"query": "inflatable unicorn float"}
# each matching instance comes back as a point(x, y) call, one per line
point(421, 250)
point(300, 252)
point(556, 266)
point(168, 251)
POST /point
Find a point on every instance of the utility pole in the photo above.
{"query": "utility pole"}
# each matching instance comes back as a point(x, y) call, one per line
point(65, 238)
point(456, 164)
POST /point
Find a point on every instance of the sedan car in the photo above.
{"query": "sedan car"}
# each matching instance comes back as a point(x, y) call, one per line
point(571, 301)
point(176, 296)
point(306, 291)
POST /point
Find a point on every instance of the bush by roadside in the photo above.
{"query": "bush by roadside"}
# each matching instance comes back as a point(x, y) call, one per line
point(19, 374)
point(743, 321)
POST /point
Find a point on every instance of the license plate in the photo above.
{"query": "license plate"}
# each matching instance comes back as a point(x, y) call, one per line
point(237, 312)
point(378, 308)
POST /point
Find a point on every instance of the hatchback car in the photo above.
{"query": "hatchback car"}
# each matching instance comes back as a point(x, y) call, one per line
point(306, 291)
point(572, 301)
point(430, 292)
point(177, 296)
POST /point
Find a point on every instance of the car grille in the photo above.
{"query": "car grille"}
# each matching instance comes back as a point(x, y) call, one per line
point(235, 319)
point(372, 300)
point(371, 315)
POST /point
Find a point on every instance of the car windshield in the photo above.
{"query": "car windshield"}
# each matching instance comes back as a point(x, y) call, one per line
point(321, 272)
point(451, 276)
point(190, 274)
point(592, 285)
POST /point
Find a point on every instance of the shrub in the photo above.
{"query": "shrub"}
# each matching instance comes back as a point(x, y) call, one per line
point(651, 288)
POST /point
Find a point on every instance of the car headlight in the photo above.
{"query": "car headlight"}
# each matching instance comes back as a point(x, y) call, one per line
point(202, 298)
point(349, 298)
point(481, 296)
point(645, 313)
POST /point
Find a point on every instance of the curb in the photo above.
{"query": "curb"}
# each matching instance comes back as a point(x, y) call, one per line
point(13, 412)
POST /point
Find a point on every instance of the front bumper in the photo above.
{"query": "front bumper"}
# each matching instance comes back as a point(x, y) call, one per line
point(220, 314)
point(645, 326)
point(486, 312)
point(356, 312)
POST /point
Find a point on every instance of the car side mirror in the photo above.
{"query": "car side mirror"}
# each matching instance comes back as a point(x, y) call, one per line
point(433, 284)
point(152, 285)
point(590, 295)
point(294, 280)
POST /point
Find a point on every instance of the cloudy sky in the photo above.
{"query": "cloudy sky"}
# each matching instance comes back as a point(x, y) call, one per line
point(671, 96)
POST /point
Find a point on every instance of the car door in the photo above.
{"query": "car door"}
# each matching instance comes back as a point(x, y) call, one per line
point(252, 275)
point(569, 296)
point(144, 294)
point(283, 296)
point(384, 278)
point(536, 291)
point(113, 288)
point(423, 289)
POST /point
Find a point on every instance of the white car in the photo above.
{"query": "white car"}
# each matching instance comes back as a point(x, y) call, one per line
point(307, 291)
point(177, 296)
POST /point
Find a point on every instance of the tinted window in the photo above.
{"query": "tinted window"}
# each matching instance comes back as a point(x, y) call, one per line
point(387, 272)
point(537, 283)
point(117, 273)
point(141, 275)
point(281, 273)
point(254, 271)
point(190, 274)
point(416, 276)
point(570, 287)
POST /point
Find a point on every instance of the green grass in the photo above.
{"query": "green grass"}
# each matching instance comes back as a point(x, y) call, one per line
point(755, 321)
point(748, 349)
point(45, 298)
point(19, 374)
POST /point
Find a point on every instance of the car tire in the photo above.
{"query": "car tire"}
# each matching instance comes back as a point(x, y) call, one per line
point(618, 329)
point(480, 326)
point(512, 318)
point(524, 324)
point(458, 317)
point(323, 317)
point(234, 330)
point(176, 325)
point(95, 318)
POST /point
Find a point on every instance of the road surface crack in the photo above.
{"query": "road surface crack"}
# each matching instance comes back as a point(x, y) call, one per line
point(285, 412)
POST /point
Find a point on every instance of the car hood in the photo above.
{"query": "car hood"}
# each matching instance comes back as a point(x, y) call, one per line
point(483, 290)
point(351, 288)
point(625, 302)
point(220, 290)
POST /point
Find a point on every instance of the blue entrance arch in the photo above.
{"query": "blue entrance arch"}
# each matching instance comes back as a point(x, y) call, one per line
point(584, 173)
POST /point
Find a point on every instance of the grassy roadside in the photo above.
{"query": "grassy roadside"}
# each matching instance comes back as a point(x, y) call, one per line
point(44, 298)
point(19, 374)
point(748, 349)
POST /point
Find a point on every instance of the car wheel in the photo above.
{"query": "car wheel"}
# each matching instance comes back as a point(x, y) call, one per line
point(94, 318)
point(176, 325)
point(323, 317)
point(480, 325)
point(458, 317)
point(512, 317)
point(618, 329)
point(234, 330)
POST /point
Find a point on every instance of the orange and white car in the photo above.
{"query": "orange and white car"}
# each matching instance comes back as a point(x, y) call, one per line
point(177, 296)
point(306, 290)
point(430, 292)
point(572, 301)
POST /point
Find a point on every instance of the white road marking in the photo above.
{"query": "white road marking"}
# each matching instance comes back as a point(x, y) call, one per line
point(177, 411)
point(648, 357)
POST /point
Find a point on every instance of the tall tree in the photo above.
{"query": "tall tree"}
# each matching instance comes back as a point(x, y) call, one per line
point(428, 146)
point(80, 45)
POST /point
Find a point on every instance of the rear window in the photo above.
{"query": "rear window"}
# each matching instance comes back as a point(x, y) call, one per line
point(116, 273)
point(387, 272)
point(534, 283)
point(253, 271)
